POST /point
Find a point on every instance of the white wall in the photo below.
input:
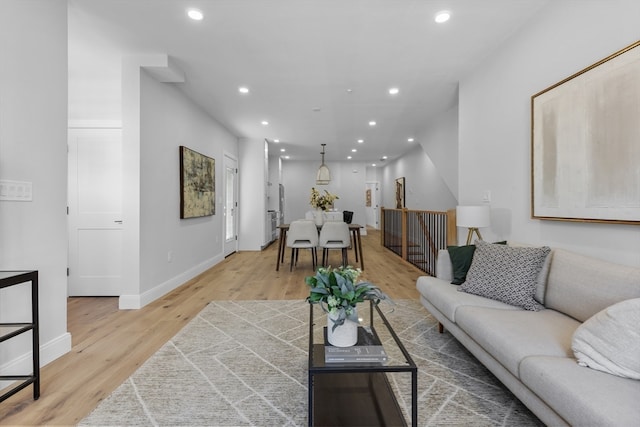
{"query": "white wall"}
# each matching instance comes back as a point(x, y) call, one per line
point(425, 188)
point(563, 39)
point(347, 182)
point(440, 142)
point(161, 251)
point(252, 180)
point(33, 147)
point(168, 120)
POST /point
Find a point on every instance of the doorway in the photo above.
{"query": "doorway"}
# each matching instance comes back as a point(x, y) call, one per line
point(230, 205)
point(371, 205)
point(95, 212)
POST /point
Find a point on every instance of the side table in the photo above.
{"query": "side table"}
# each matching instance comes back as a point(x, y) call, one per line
point(11, 330)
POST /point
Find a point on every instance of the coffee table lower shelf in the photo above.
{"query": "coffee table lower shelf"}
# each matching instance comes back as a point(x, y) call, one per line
point(355, 399)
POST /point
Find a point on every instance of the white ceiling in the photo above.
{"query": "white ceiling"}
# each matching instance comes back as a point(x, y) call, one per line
point(338, 56)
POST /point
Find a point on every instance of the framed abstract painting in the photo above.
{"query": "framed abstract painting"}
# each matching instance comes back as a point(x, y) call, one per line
point(197, 184)
point(585, 144)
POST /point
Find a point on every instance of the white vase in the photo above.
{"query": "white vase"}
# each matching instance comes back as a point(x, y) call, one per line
point(344, 335)
point(318, 217)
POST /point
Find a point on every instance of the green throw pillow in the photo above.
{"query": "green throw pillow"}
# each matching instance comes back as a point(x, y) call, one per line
point(461, 257)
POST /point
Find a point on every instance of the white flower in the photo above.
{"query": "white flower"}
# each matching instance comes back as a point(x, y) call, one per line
point(332, 301)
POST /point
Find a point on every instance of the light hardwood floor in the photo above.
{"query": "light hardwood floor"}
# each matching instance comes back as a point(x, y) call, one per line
point(110, 344)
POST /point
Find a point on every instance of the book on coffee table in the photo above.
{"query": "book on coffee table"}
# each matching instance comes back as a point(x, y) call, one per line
point(368, 349)
point(357, 353)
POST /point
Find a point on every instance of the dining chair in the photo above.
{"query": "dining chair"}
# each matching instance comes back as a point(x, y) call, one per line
point(335, 235)
point(303, 234)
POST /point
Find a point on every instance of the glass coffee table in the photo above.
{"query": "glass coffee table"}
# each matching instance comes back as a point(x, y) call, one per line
point(359, 393)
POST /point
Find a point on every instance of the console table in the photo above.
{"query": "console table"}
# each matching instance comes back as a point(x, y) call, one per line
point(11, 330)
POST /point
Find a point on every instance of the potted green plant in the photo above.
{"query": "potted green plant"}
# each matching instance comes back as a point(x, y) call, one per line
point(338, 291)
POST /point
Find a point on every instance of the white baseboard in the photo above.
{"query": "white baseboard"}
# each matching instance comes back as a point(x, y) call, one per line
point(49, 352)
point(134, 302)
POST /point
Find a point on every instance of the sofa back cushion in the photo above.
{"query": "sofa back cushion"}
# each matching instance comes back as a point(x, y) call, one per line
point(444, 267)
point(581, 286)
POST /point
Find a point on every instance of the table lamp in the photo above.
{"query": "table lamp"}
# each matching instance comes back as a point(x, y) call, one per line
point(473, 217)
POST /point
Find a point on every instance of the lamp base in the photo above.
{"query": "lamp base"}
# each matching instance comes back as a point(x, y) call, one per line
point(470, 234)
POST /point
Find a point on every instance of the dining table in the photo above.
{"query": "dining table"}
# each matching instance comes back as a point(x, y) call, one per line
point(354, 229)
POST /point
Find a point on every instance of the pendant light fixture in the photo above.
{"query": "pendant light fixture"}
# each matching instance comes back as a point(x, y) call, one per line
point(324, 175)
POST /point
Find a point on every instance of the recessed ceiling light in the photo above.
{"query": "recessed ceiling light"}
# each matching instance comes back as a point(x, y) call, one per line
point(410, 140)
point(384, 157)
point(349, 90)
point(353, 150)
point(287, 157)
point(316, 109)
point(276, 140)
point(243, 89)
point(373, 164)
point(282, 150)
point(360, 141)
point(372, 123)
point(394, 91)
point(195, 14)
point(264, 122)
point(349, 157)
point(442, 16)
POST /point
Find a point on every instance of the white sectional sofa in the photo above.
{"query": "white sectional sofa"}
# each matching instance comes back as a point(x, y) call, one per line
point(531, 351)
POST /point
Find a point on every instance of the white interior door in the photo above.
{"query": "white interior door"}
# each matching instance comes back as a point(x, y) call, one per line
point(372, 208)
point(95, 212)
point(230, 205)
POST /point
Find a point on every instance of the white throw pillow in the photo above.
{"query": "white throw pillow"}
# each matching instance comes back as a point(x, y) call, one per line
point(609, 341)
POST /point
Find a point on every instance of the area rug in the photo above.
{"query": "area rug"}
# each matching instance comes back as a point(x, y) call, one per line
point(244, 363)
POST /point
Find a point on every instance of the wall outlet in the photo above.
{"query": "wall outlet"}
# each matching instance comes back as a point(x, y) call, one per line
point(486, 196)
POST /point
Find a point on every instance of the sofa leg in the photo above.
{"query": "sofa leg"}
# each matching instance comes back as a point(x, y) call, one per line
point(440, 327)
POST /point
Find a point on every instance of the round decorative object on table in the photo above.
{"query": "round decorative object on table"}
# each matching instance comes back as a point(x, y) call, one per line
point(344, 335)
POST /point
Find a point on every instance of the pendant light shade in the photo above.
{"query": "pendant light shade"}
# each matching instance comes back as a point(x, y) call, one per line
point(324, 174)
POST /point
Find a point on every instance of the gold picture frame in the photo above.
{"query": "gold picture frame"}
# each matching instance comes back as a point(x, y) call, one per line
point(197, 184)
point(585, 144)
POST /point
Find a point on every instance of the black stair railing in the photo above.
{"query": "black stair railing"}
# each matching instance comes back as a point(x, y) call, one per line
point(417, 235)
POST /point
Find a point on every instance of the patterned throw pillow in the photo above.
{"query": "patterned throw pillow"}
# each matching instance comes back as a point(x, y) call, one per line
point(461, 257)
point(507, 274)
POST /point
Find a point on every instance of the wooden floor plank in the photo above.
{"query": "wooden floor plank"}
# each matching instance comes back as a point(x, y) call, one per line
point(108, 344)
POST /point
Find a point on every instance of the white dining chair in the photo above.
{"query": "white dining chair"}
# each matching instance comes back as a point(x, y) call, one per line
point(335, 235)
point(303, 234)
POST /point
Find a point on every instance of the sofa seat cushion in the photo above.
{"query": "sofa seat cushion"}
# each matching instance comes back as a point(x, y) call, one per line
point(447, 299)
point(511, 336)
point(584, 397)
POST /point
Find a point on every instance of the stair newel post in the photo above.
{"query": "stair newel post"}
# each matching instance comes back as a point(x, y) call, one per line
point(405, 232)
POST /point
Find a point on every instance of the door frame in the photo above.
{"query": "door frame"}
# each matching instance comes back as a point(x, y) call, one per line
point(230, 246)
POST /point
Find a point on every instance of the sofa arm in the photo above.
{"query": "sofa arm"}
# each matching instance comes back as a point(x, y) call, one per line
point(444, 268)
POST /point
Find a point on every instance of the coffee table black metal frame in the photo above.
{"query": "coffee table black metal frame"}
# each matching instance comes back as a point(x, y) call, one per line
point(330, 377)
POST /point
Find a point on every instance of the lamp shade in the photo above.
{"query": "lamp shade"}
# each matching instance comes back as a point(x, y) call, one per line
point(473, 216)
point(324, 175)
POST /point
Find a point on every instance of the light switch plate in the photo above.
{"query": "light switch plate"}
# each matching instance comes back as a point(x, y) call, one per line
point(17, 191)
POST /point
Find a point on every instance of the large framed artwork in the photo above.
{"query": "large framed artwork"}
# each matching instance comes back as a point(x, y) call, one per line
point(585, 144)
point(197, 184)
point(400, 193)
